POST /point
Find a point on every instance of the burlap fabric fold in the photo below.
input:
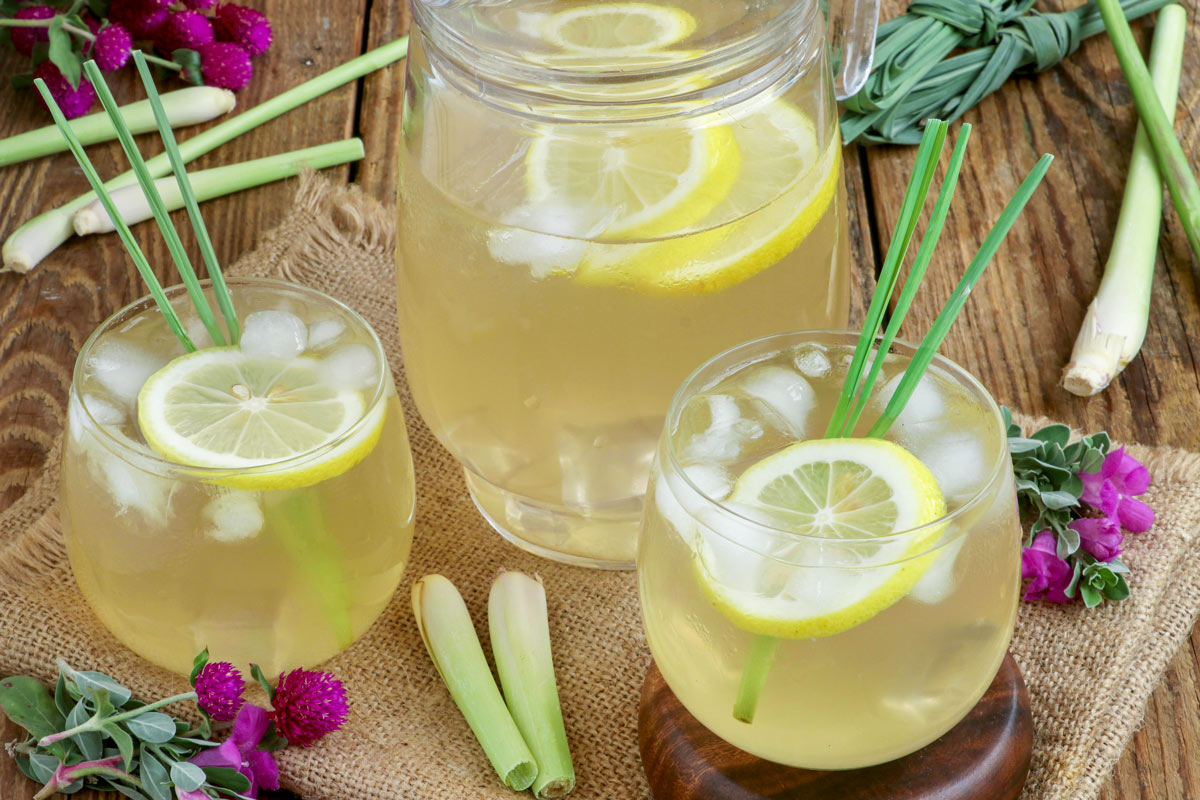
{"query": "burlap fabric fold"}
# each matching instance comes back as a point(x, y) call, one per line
point(1089, 673)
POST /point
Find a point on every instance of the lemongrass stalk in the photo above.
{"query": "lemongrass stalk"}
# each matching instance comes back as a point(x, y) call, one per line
point(446, 629)
point(216, 182)
point(40, 236)
point(1115, 324)
point(1160, 130)
point(135, 252)
point(189, 106)
point(520, 632)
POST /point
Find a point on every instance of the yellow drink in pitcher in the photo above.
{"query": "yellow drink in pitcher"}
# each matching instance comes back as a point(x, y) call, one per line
point(561, 270)
point(280, 561)
point(884, 573)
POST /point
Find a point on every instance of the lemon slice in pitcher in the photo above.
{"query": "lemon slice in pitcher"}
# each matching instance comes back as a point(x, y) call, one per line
point(828, 491)
point(220, 408)
point(614, 29)
point(785, 185)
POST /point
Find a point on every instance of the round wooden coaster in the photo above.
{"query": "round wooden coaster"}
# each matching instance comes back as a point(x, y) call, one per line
point(984, 757)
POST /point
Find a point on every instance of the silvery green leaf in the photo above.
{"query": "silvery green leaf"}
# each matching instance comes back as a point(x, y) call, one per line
point(88, 682)
point(1068, 543)
point(25, 767)
point(1018, 445)
point(43, 766)
point(123, 741)
point(1092, 461)
point(1117, 591)
point(90, 743)
point(1060, 499)
point(227, 778)
point(1057, 434)
point(155, 779)
point(71, 788)
point(1091, 596)
point(153, 727)
point(62, 698)
point(127, 790)
point(187, 777)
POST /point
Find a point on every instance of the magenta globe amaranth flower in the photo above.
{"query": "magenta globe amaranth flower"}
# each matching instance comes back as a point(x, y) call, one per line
point(140, 17)
point(74, 101)
point(183, 29)
point(112, 48)
point(246, 27)
point(25, 39)
point(225, 65)
point(1112, 490)
point(307, 705)
point(1048, 575)
point(219, 687)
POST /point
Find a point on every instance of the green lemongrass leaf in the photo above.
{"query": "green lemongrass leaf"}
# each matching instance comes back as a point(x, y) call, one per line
point(224, 300)
point(910, 211)
point(155, 780)
point(227, 778)
point(122, 740)
point(754, 676)
point(154, 727)
point(449, 636)
point(941, 325)
point(146, 180)
point(941, 209)
point(187, 777)
point(62, 52)
point(520, 632)
point(131, 245)
point(28, 703)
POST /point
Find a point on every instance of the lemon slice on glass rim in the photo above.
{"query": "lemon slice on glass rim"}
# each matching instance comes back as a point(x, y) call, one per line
point(845, 498)
point(615, 29)
point(222, 409)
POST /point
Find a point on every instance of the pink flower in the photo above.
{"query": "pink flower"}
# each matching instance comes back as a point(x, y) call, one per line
point(113, 45)
point(140, 17)
point(240, 751)
point(308, 705)
point(74, 101)
point(246, 27)
point(199, 5)
point(25, 39)
point(219, 688)
point(1112, 489)
point(1049, 575)
point(183, 29)
point(1100, 536)
point(225, 65)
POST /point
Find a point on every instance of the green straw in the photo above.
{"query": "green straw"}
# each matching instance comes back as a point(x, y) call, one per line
point(135, 252)
point(157, 207)
point(224, 300)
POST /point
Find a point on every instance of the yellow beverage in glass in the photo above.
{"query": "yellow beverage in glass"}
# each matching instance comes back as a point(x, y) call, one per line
point(280, 561)
point(759, 534)
point(611, 206)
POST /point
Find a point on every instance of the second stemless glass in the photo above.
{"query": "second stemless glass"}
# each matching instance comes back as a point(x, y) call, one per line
point(583, 219)
point(915, 623)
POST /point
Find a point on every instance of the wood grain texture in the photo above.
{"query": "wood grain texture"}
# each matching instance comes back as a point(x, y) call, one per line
point(1016, 332)
point(984, 757)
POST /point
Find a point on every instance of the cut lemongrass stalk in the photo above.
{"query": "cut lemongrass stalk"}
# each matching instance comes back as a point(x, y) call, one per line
point(520, 632)
point(941, 209)
point(1160, 129)
point(178, 253)
point(184, 184)
point(189, 106)
point(446, 629)
point(1115, 324)
point(941, 325)
point(754, 676)
point(40, 236)
point(928, 153)
point(135, 252)
point(216, 182)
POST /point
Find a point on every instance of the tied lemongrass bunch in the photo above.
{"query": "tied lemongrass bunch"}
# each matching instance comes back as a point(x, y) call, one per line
point(876, 339)
point(91, 733)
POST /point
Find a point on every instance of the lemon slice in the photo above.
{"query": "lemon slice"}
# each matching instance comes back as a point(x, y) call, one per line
point(220, 408)
point(614, 29)
point(785, 185)
point(828, 491)
point(632, 181)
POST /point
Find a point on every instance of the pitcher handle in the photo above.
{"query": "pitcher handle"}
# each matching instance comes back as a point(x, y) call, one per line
point(851, 35)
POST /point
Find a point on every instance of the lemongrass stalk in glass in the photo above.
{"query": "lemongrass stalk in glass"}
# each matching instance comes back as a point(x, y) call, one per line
point(216, 182)
point(1114, 326)
point(187, 106)
point(449, 636)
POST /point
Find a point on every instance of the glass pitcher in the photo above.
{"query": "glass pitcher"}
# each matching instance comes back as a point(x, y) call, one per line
point(595, 197)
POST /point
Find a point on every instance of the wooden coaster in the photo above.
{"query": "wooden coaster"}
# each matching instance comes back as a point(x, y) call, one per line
point(984, 757)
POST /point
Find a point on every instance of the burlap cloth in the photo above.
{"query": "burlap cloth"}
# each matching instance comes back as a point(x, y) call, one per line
point(1089, 673)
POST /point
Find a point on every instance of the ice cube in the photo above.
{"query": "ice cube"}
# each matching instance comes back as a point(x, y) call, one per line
point(956, 460)
point(122, 368)
point(352, 366)
point(275, 334)
point(545, 237)
point(234, 516)
point(325, 333)
point(130, 488)
point(728, 435)
point(193, 326)
point(712, 479)
point(103, 410)
point(938, 581)
point(925, 405)
point(812, 361)
point(784, 391)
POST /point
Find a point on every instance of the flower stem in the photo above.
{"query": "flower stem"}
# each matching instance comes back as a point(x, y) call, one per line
point(95, 723)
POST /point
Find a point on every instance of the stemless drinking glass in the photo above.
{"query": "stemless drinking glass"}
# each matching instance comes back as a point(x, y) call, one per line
point(594, 197)
point(880, 643)
point(281, 564)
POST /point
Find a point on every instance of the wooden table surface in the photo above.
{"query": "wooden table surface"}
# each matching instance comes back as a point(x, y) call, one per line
point(1015, 333)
